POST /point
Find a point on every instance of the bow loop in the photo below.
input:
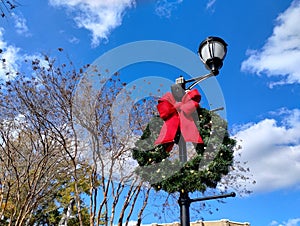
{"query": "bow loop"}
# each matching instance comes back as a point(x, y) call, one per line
point(166, 107)
point(178, 115)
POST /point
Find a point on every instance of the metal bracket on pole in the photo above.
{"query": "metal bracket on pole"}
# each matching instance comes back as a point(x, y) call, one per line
point(198, 80)
point(232, 194)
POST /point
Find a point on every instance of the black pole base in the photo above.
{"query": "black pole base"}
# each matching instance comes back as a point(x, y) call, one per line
point(184, 203)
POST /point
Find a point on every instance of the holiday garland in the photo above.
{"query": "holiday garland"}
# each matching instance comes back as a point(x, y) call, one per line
point(211, 161)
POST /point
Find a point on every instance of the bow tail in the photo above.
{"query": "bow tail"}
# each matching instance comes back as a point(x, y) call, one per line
point(168, 130)
point(189, 130)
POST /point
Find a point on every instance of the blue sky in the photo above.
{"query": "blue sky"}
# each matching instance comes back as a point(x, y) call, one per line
point(260, 78)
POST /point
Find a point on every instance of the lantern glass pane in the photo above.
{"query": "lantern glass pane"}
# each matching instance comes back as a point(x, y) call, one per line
point(219, 50)
point(205, 54)
point(211, 50)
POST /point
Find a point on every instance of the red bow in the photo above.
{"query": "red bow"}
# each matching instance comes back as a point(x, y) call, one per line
point(178, 114)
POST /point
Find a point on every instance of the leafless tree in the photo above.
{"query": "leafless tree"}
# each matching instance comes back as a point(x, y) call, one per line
point(51, 141)
point(6, 6)
point(110, 150)
point(38, 139)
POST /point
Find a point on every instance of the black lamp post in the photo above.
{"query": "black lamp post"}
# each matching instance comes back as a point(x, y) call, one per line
point(212, 52)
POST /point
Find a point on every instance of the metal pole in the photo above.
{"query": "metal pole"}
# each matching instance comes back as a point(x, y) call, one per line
point(182, 150)
point(178, 91)
point(184, 203)
point(184, 199)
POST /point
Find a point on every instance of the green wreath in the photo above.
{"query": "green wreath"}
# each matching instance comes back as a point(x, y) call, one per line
point(211, 162)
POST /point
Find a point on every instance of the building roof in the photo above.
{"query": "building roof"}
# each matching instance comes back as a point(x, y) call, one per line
point(223, 222)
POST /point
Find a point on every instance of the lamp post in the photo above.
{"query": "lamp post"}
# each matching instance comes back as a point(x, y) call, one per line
point(212, 52)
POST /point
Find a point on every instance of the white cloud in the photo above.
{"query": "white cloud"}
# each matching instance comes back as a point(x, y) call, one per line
point(280, 56)
point(164, 8)
point(74, 40)
point(272, 149)
point(293, 222)
point(98, 16)
point(290, 222)
point(9, 57)
point(273, 223)
point(20, 24)
point(12, 58)
point(210, 4)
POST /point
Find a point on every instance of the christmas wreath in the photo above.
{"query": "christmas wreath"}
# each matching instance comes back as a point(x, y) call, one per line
point(213, 146)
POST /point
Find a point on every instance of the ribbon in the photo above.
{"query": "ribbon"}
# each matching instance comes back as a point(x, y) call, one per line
point(178, 115)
